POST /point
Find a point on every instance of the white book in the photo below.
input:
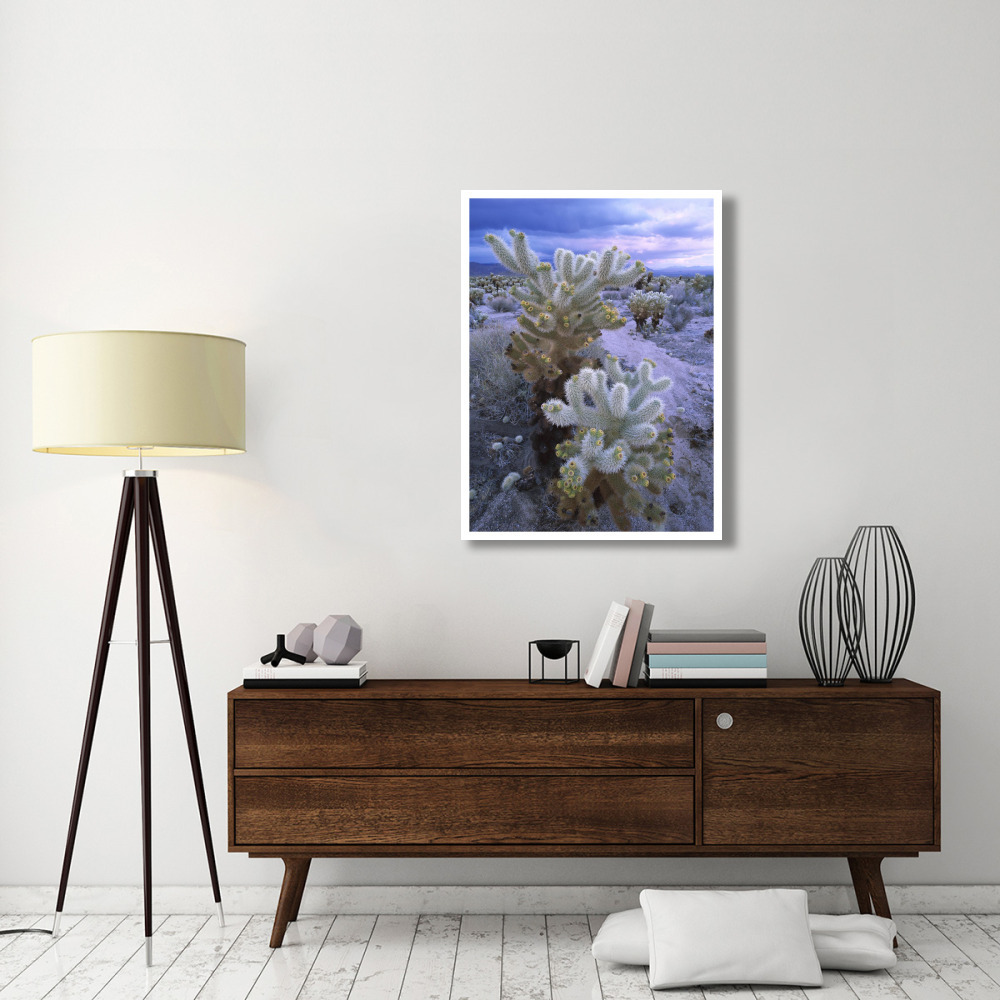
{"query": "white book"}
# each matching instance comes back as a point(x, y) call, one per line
point(601, 660)
point(306, 671)
point(707, 673)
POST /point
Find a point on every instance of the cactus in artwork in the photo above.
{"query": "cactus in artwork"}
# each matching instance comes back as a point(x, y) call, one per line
point(648, 307)
point(562, 313)
point(562, 308)
point(620, 450)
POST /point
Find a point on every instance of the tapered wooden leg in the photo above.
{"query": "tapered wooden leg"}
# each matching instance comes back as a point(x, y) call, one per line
point(861, 889)
point(180, 673)
point(297, 902)
point(866, 873)
point(296, 870)
point(125, 512)
point(145, 757)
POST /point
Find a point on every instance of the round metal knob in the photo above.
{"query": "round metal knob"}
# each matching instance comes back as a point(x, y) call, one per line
point(724, 720)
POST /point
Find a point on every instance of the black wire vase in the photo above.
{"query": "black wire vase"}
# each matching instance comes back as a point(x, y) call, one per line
point(830, 615)
point(880, 567)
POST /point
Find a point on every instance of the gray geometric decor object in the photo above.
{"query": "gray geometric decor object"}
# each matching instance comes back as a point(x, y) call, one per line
point(337, 639)
point(300, 640)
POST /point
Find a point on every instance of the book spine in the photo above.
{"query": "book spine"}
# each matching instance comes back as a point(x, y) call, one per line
point(630, 639)
point(701, 661)
point(293, 682)
point(639, 656)
point(706, 683)
point(607, 641)
point(305, 672)
point(700, 648)
point(707, 635)
point(694, 673)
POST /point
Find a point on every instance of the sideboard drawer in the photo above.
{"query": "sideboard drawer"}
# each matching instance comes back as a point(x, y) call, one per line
point(484, 808)
point(448, 733)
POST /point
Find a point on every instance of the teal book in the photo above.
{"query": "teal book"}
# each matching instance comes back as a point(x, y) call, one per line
point(710, 661)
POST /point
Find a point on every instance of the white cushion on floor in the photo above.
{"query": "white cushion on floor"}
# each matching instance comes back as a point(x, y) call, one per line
point(623, 938)
point(859, 942)
point(717, 936)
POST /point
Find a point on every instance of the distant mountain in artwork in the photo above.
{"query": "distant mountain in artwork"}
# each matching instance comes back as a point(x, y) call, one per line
point(683, 272)
point(477, 268)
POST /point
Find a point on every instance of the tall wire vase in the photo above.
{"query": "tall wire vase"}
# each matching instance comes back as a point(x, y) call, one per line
point(882, 572)
point(830, 620)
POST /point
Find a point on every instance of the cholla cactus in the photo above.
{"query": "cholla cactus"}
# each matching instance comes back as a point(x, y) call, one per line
point(562, 313)
point(620, 448)
point(562, 307)
point(648, 306)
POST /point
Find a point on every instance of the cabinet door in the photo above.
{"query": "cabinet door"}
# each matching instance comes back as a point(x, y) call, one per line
point(819, 772)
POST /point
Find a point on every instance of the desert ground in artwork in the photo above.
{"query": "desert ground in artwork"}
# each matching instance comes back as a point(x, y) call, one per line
point(504, 494)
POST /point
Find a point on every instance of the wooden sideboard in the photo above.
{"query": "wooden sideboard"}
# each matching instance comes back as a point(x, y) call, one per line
point(465, 768)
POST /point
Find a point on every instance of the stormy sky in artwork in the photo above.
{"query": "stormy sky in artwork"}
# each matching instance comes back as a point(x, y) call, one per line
point(661, 232)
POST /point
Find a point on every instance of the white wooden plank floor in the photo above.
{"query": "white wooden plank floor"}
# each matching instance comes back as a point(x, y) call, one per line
point(490, 957)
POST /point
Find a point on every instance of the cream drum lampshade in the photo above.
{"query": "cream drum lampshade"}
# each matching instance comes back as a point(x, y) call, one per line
point(113, 392)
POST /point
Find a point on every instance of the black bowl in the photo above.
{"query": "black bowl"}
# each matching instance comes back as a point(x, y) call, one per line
point(554, 649)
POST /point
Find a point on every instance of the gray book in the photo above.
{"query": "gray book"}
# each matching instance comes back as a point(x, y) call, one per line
point(706, 635)
point(638, 656)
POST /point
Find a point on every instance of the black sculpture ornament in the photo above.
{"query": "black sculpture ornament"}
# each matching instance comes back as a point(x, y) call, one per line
point(830, 620)
point(279, 653)
point(879, 565)
point(554, 649)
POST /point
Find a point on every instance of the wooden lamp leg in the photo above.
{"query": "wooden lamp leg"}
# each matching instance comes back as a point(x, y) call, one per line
point(159, 539)
point(141, 543)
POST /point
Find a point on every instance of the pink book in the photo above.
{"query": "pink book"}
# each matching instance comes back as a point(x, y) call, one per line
point(706, 647)
point(630, 636)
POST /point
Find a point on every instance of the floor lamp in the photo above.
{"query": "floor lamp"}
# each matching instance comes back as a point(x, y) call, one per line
point(139, 393)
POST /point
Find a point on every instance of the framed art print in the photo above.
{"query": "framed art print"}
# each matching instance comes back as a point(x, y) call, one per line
point(591, 333)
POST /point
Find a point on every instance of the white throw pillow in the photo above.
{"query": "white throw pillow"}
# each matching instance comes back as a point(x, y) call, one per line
point(623, 938)
point(714, 936)
point(859, 942)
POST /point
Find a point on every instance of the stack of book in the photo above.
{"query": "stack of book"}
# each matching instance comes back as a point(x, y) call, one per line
point(707, 658)
point(306, 675)
point(619, 654)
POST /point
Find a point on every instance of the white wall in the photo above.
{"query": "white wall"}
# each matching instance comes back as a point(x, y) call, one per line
point(289, 174)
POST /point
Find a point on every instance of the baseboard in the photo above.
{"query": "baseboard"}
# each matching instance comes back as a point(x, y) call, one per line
point(459, 899)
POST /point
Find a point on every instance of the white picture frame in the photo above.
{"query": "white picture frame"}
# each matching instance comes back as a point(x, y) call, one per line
point(513, 486)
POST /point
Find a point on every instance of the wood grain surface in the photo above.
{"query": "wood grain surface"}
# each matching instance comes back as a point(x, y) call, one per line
point(438, 733)
point(802, 771)
point(509, 808)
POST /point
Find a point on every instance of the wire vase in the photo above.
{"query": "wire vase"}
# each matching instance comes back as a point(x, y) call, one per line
point(830, 614)
point(883, 575)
